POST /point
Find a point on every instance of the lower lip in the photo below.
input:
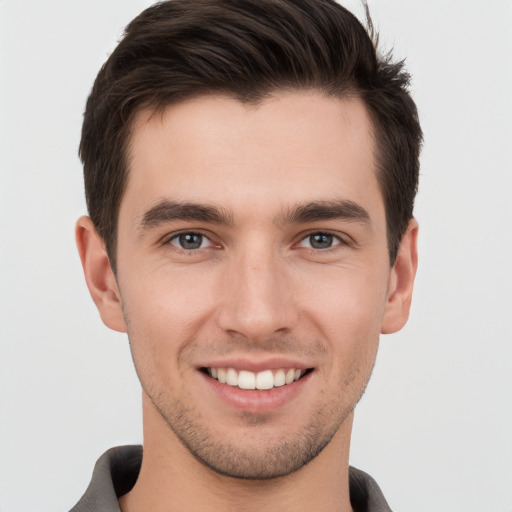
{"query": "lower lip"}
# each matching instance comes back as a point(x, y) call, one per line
point(257, 401)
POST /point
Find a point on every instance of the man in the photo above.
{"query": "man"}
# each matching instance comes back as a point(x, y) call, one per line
point(250, 171)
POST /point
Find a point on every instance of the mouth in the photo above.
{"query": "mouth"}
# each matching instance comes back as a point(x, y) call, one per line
point(262, 380)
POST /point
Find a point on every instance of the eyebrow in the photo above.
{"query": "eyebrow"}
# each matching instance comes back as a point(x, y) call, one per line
point(324, 210)
point(301, 213)
point(169, 211)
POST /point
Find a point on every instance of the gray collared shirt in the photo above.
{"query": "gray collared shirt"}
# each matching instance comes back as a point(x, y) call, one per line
point(117, 470)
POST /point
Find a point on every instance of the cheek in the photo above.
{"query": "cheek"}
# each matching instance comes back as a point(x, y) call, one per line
point(348, 314)
point(168, 299)
point(348, 301)
point(164, 311)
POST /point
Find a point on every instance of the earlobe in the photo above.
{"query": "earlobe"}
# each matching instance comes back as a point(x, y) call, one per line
point(98, 274)
point(402, 281)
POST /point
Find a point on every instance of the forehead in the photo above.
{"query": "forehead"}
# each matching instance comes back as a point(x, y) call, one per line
point(292, 147)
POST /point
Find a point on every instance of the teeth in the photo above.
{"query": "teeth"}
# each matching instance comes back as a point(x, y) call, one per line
point(231, 377)
point(279, 378)
point(266, 379)
point(246, 380)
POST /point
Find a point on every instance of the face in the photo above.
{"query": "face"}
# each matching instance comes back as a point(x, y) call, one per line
point(253, 275)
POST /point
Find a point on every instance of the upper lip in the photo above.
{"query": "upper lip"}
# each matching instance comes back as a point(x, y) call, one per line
point(256, 365)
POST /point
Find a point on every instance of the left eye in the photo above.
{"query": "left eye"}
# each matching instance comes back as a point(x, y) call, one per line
point(190, 241)
point(320, 241)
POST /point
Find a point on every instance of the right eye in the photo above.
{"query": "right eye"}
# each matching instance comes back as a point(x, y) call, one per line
point(190, 241)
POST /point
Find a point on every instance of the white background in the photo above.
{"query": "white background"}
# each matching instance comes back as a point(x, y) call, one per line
point(435, 427)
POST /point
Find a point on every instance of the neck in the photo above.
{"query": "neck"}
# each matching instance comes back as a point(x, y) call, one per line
point(172, 479)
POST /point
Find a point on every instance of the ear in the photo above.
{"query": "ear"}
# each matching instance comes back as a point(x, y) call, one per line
point(401, 281)
point(99, 276)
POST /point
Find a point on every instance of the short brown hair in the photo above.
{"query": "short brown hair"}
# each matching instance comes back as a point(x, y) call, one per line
point(246, 49)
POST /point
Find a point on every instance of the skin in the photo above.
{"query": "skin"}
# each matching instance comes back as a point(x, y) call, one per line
point(258, 292)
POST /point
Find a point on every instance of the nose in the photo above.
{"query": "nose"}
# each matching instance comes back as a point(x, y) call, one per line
point(258, 300)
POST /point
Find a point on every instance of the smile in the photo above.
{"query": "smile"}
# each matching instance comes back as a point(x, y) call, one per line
point(266, 379)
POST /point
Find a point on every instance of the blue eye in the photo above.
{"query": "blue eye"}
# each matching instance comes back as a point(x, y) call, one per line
point(320, 241)
point(190, 241)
